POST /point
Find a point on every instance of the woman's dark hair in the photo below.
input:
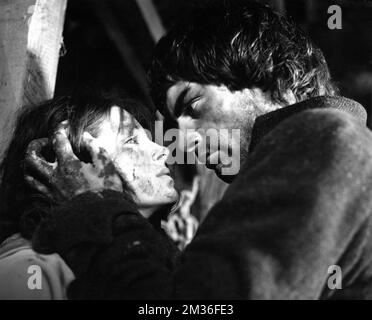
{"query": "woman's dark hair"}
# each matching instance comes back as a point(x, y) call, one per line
point(239, 44)
point(22, 208)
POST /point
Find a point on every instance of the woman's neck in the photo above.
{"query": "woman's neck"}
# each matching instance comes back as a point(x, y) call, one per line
point(146, 212)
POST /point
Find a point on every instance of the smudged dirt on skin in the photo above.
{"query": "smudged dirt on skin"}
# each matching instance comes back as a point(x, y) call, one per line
point(108, 184)
point(146, 187)
point(135, 176)
point(75, 165)
point(108, 171)
point(101, 157)
point(35, 147)
point(33, 161)
point(128, 124)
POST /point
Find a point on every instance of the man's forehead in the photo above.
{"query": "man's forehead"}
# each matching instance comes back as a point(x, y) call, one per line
point(179, 88)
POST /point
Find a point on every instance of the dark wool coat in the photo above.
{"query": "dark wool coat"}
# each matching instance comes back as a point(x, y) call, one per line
point(301, 204)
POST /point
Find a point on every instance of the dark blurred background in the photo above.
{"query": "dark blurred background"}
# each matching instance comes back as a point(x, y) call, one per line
point(110, 42)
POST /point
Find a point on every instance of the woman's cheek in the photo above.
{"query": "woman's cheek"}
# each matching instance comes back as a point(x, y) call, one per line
point(128, 163)
point(146, 187)
point(125, 165)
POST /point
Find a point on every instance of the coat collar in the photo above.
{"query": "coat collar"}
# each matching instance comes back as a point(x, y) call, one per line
point(267, 122)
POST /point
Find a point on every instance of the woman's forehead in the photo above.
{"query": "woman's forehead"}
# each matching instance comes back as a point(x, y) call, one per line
point(119, 123)
point(122, 121)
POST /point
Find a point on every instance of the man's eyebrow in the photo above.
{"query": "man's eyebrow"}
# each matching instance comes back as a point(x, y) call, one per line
point(178, 106)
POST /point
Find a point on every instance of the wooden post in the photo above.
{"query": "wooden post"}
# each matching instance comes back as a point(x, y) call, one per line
point(30, 40)
point(152, 18)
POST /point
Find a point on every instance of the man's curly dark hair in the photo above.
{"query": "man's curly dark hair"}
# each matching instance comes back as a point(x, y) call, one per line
point(239, 44)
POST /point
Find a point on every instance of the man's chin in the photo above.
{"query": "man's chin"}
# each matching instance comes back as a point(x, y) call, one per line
point(226, 171)
point(228, 178)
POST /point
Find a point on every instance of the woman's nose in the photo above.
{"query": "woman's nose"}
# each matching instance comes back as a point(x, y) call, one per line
point(160, 153)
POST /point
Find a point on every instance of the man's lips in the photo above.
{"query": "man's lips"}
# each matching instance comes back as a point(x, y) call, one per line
point(210, 165)
point(215, 167)
point(214, 162)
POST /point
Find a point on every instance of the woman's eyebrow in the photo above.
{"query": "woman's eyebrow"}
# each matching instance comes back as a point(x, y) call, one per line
point(133, 136)
point(178, 106)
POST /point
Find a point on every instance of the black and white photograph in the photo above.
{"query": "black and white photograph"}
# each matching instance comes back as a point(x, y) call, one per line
point(185, 154)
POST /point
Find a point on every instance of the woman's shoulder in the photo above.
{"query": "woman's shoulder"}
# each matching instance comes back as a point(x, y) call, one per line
point(25, 274)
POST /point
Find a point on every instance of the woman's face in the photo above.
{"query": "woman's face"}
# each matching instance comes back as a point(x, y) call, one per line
point(141, 161)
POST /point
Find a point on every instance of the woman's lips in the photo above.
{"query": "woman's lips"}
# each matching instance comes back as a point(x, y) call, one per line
point(164, 172)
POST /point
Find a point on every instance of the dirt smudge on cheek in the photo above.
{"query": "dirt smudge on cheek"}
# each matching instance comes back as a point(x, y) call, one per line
point(74, 167)
point(134, 175)
point(146, 187)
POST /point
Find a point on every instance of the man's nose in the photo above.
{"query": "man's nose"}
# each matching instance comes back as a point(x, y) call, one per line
point(189, 134)
point(190, 141)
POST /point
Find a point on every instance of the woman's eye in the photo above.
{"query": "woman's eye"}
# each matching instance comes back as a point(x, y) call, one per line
point(131, 140)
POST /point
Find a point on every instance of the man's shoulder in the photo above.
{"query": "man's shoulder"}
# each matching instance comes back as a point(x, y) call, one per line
point(310, 115)
point(313, 144)
point(320, 117)
point(327, 128)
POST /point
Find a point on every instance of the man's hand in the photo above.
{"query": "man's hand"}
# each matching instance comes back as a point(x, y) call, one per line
point(68, 176)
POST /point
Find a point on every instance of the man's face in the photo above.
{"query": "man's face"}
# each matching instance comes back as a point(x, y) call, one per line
point(205, 107)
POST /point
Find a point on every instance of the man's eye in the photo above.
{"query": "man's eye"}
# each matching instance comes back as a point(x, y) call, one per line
point(189, 109)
